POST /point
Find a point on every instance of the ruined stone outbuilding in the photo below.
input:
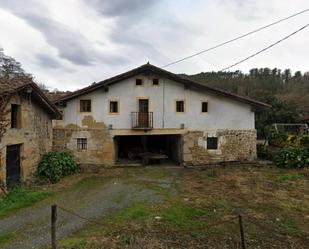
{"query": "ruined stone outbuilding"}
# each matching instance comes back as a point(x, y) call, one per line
point(28, 134)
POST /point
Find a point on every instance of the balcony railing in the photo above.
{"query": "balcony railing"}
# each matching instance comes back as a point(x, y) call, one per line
point(142, 120)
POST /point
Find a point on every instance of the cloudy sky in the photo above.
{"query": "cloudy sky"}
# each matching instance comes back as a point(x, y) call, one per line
point(67, 44)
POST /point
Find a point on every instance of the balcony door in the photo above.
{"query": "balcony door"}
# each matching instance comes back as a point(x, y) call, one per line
point(143, 113)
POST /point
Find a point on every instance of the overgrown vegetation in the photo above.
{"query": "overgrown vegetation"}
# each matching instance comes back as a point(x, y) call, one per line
point(55, 165)
point(291, 157)
point(19, 197)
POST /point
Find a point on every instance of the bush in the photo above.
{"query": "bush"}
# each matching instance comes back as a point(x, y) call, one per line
point(55, 165)
point(304, 141)
point(278, 139)
point(292, 158)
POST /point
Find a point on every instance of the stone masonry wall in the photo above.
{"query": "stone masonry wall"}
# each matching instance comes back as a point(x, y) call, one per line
point(34, 136)
point(233, 145)
point(100, 147)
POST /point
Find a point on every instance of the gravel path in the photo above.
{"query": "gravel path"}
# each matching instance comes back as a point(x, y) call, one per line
point(32, 225)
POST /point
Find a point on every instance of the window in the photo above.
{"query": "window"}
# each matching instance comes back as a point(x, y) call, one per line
point(155, 82)
point(82, 143)
point(113, 107)
point(180, 106)
point(204, 106)
point(212, 143)
point(85, 105)
point(15, 116)
point(138, 82)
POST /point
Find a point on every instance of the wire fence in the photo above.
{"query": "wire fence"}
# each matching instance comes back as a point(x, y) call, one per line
point(231, 220)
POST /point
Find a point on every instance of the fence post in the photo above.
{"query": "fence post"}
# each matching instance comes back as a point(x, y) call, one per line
point(53, 226)
point(242, 235)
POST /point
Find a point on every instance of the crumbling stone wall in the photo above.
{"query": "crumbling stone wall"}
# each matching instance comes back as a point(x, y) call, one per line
point(233, 145)
point(100, 147)
point(34, 136)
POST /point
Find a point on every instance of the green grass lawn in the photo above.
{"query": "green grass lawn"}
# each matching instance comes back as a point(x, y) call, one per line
point(19, 198)
point(7, 237)
point(274, 204)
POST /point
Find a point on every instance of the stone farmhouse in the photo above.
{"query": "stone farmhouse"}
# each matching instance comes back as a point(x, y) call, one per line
point(149, 109)
point(26, 122)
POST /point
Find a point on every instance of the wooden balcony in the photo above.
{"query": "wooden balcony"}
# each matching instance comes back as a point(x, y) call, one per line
point(142, 120)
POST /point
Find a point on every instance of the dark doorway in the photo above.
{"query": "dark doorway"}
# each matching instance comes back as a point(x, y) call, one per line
point(13, 165)
point(129, 147)
point(143, 113)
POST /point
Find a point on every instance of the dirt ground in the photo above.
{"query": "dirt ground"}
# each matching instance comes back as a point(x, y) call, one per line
point(171, 208)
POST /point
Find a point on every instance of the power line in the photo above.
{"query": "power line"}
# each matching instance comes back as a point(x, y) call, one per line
point(235, 39)
point(264, 49)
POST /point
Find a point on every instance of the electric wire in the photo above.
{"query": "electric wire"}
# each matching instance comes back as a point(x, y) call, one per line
point(236, 38)
point(264, 49)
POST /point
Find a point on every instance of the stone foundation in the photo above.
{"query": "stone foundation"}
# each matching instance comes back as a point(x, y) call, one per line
point(233, 145)
point(100, 147)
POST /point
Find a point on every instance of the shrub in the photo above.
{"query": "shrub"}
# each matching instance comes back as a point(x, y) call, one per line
point(278, 139)
point(304, 141)
point(55, 165)
point(292, 157)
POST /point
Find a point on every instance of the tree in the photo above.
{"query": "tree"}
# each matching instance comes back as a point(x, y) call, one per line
point(280, 112)
point(9, 67)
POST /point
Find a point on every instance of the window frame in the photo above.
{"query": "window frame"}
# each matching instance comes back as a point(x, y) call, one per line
point(81, 143)
point(184, 106)
point(209, 144)
point(80, 106)
point(118, 107)
point(142, 82)
point(158, 81)
point(15, 116)
point(202, 107)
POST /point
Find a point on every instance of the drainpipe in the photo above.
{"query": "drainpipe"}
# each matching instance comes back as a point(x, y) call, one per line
point(163, 100)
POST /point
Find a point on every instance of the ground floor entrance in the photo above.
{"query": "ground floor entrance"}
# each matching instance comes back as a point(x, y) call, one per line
point(159, 148)
point(13, 164)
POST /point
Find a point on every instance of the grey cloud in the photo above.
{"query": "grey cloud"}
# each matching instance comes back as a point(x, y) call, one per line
point(29, 6)
point(48, 61)
point(130, 19)
point(120, 7)
point(71, 45)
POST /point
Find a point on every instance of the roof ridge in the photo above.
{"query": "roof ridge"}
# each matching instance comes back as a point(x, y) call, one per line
point(151, 68)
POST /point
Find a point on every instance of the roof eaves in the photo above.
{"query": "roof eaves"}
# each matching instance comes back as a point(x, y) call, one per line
point(150, 68)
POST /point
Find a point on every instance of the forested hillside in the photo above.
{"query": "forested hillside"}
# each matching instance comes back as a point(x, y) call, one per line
point(288, 94)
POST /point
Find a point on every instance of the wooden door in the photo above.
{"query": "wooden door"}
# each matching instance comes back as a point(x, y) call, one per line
point(143, 113)
point(13, 165)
